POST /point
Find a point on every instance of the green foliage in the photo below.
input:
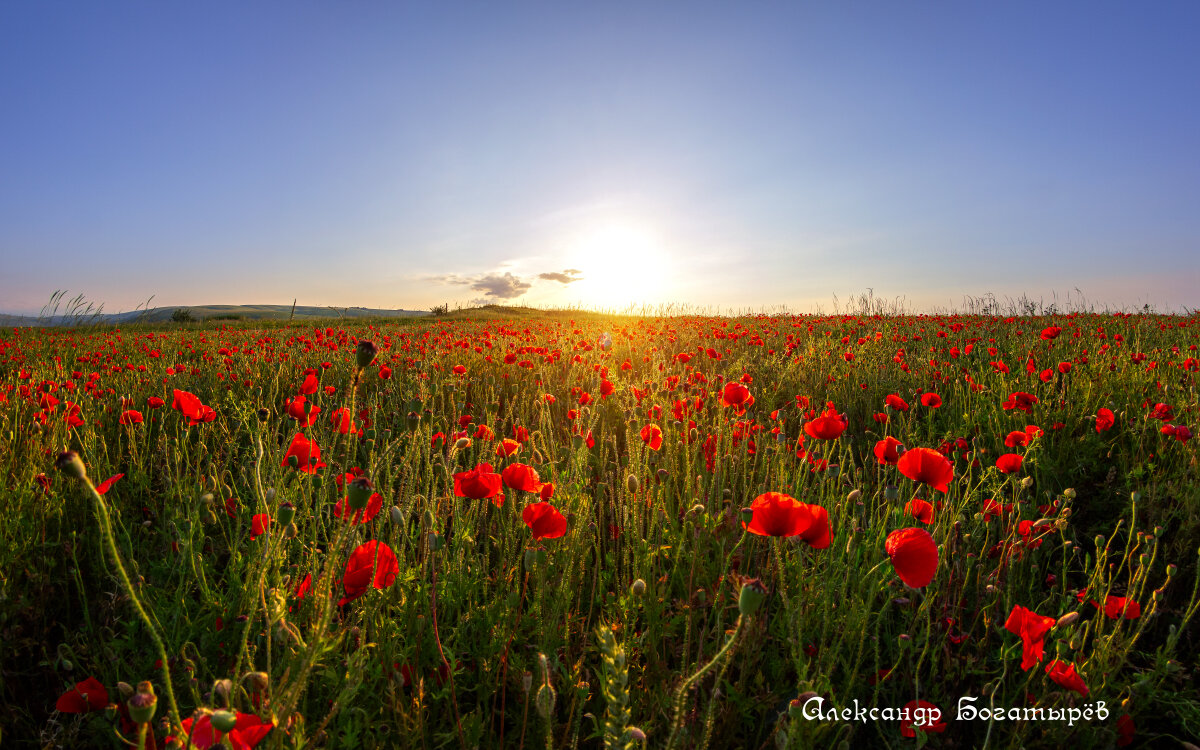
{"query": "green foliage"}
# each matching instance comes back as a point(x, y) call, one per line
point(439, 655)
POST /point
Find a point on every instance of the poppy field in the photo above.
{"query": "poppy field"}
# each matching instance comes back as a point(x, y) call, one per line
point(573, 530)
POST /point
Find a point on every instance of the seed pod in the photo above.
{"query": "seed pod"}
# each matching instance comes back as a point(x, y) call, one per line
point(751, 597)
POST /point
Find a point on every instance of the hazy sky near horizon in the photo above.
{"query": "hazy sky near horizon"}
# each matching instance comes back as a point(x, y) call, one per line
point(720, 155)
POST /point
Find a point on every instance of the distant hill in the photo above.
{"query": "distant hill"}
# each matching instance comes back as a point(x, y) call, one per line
point(210, 312)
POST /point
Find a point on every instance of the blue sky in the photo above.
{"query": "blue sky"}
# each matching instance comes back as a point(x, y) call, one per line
point(727, 156)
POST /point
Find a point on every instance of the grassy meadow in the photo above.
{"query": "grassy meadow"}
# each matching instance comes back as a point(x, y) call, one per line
point(570, 530)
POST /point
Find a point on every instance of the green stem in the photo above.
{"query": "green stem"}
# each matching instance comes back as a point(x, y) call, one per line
point(110, 542)
point(681, 694)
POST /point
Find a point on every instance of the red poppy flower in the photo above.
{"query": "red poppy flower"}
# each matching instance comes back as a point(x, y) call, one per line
point(547, 490)
point(373, 507)
point(1032, 628)
point(385, 372)
point(86, 696)
point(107, 484)
point(300, 410)
point(896, 402)
point(1125, 730)
point(1050, 333)
point(507, 447)
point(371, 564)
point(246, 734)
point(1162, 412)
point(130, 416)
point(310, 385)
point(829, 426)
point(738, 396)
point(930, 718)
point(544, 520)
point(652, 436)
point(922, 510)
point(914, 556)
point(188, 404)
point(483, 432)
point(1016, 439)
point(1064, 674)
point(1009, 463)
point(779, 515)
point(1020, 400)
point(154, 402)
point(343, 422)
point(521, 477)
point(259, 525)
point(478, 484)
point(307, 453)
point(927, 466)
point(459, 370)
point(887, 451)
point(931, 400)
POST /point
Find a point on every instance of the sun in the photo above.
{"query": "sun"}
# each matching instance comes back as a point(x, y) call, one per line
point(620, 265)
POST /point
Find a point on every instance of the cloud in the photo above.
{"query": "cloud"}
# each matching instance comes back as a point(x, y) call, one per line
point(563, 277)
point(501, 287)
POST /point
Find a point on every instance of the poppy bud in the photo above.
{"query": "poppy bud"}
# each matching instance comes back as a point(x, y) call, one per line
point(1026, 482)
point(224, 721)
point(436, 542)
point(638, 588)
point(364, 355)
point(427, 519)
point(286, 513)
point(264, 414)
point(544, 701)
point(141, 704)
point(527, 681)
point(636, 734)
point(69, 463)
point(359, 492)
point(796, 709)
point(1067, 620)
point(222, 689)
point(632, 483)
point(752, 595)
point(270, 494)
point(462, 444)
point(396, 515)
point(854, 496)
point(125, 689)
point(256, 680)
point(1135, 496)
point(291, 531)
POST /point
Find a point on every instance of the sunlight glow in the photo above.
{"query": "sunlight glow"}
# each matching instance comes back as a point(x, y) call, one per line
point(621, 264)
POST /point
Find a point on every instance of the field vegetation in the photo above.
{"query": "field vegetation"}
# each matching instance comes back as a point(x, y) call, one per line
point(528, 528)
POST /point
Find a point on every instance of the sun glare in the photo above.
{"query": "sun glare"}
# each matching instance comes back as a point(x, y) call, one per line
point(620, 265)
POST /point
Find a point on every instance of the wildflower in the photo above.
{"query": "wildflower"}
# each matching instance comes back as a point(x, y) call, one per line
point(371, 564)
point(652, 436)
point(738, 396)
point(362, 515)
point(928, 467)
point(914, 556)
point(188, 404)
point(507, 447)
point(300, 410)
point(306, 452)
point(896, 402)
point(521, 477)
point(1064, 674)
point(931, 718)
point(259, 525)
point(779, 515)
point(931, 400)
point(478, 484)
point(107, 484)
point(829, 426)
point(343, 422)
point(1032, 628)
point(544, 520)
point(922, 510)
point(248, 730)
point(86, 696)
point(1009, 463)
point(130, 417)
point(887, 451)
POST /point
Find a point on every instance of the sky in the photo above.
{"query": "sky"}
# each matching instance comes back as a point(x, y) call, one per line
point(691, 156)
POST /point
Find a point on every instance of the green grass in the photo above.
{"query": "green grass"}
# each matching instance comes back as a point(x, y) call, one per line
point(487, 637)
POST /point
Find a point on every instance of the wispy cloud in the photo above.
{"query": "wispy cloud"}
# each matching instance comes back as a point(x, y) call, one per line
point(565, 276)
